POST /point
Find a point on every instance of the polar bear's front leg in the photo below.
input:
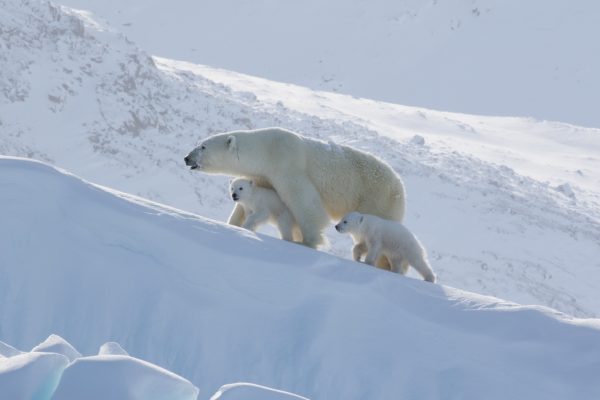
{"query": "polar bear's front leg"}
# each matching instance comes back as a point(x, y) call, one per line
point(302, 198)
point(254, 220)
point(237, 216)
point(359, 250)
point(373, 253)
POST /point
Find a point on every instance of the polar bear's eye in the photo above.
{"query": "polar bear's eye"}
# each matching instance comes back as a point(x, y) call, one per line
point(241, 188)
point(345, 222)
point(203, 147)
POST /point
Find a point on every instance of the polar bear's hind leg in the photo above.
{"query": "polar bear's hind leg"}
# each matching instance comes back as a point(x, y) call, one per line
point(285, 224)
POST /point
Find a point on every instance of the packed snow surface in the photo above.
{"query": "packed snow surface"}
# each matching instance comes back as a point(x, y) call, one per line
point(217, 304)
point(505, 206)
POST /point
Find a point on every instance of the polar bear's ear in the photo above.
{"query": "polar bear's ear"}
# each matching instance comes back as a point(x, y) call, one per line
point(231, 142)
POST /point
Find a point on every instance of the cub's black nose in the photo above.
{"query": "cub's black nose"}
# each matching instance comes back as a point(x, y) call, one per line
point(187, 160)
point(234, 197)
point(337, 228)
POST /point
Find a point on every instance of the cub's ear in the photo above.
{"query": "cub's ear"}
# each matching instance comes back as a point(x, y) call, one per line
point(361, 219)
point(231, 142)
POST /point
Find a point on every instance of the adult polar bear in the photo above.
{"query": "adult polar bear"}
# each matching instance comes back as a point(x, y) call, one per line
point(318, 181)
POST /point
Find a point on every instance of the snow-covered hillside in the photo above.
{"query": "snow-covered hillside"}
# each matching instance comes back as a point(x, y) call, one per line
point(506, 207)
point(217, 304)
point(536, 58)
point(490, 211)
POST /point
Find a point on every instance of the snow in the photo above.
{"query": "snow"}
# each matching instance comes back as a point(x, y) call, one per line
point(506, 206)
point(238, 307)
point(121, 377)
point(250, 391)
point(535, 59)
point(481, 190)
point(46, 373)
point(112, 348)
point(31, 376)
point(56, 344)
point(7, 350)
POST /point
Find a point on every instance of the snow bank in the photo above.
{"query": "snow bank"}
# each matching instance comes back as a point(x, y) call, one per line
point(218, 304)
point(121, 377)
point(45, 373)
point(31, 376)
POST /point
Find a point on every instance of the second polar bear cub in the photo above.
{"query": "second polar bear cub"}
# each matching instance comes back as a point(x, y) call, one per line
point(261, 206)
point(380, 237)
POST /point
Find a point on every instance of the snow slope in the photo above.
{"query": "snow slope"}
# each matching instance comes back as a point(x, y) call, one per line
point(217, 304)
point(534, 59)
point(489, 197)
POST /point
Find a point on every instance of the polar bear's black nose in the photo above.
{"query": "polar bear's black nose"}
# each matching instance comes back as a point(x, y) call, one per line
point(337, 228)
point(187, 160)
point(234, 197)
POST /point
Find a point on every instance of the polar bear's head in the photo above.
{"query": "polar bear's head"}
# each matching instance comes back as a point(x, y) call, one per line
point(241, 189)
point(350, 223)
point(215, 154)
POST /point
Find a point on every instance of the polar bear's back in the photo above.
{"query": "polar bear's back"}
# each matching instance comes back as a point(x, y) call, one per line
point(346, 178)
point(394, 237)
point(353, 180)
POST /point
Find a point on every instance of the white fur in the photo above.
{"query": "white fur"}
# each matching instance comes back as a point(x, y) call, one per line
point(262, 206)
point(316, 180)
point(378, 237)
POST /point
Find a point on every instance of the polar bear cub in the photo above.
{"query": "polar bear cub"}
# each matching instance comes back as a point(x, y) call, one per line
point(262, 205)
point(381, 237)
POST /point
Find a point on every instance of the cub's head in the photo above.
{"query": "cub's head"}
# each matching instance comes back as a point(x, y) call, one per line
point(350, 223)
point(215, 154)
point(240, 189)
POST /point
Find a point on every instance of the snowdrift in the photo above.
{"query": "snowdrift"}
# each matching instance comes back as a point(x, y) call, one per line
point(45, 375)
point(216, 304)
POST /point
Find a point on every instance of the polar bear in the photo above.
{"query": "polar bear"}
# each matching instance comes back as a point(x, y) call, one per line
point(315, 180)
point(377, 237)
point(262, 205)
